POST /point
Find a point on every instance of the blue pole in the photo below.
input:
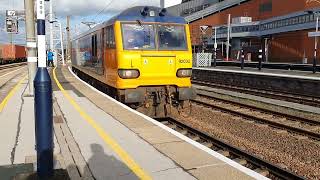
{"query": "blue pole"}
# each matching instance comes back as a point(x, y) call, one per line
point(43, 103)
point(44, 123)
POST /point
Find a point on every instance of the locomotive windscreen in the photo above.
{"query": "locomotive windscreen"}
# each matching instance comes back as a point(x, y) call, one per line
point(171, 37)
point(138, 36)
point(143, 37)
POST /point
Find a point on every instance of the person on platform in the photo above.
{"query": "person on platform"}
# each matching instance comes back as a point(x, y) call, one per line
point(50, 58)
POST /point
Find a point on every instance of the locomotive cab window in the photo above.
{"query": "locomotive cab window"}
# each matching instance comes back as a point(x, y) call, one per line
point(142, 37)
point(137, 36)
point(172, 37)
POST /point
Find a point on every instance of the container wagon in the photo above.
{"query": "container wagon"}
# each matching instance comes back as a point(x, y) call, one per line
point(10, 53)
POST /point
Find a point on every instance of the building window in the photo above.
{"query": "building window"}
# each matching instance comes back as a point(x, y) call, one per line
point(266, 6)
point(307, 18)
point(311, 17)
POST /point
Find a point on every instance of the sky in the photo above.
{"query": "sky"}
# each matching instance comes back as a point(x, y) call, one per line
point(81, 11)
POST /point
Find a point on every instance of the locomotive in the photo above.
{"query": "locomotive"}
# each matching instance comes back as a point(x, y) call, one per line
point(141, 57)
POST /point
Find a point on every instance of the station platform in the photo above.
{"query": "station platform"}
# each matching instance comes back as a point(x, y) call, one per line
point(266, 72)
point(300, 83)
point(97, 137)
point(275, 105)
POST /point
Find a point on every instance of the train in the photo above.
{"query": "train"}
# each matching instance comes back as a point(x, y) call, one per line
point(10, 53)
point(142, 57)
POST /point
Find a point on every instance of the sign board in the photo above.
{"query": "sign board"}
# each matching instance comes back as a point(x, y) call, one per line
point(314, 34)
point(240, 20)
point(204, 29)
point(11, 13)
point(11, 25)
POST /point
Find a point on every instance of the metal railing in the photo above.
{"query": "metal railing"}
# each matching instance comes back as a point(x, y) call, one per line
point(213, 9)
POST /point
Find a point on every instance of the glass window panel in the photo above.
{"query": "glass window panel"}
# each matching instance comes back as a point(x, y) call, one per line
point(137, 36)
point(172, 37)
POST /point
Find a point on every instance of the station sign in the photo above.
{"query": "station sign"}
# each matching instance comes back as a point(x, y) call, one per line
point(204, 29)
point(10, 13)
point(12, 25)
point(15, 13)
point(314, 34)
point(12, 20)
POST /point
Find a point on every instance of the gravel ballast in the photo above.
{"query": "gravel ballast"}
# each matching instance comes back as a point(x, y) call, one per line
point(299, 155)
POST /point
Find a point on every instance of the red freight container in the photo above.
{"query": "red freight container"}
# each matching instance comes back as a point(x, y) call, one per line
point(0, 52)
point(13, 52)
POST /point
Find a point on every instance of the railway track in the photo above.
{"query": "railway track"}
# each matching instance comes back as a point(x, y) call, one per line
point(304, 128)
point(296, 98)
point(244, 158)
point(8, 66)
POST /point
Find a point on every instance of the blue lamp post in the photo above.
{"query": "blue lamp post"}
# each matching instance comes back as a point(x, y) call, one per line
point(43, 102)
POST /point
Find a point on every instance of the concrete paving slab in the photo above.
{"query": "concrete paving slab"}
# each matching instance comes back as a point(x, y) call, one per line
point(9, 118)
point(26, 140)
point(156, 135)
point(122, 115)
point(198, 161)
point(187, 155)
point(175, 173)
point(91, 145)
point(123, 136)
point(88, 140)
point(219, 172)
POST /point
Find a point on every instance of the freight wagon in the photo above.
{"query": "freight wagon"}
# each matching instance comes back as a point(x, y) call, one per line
point(10, 53)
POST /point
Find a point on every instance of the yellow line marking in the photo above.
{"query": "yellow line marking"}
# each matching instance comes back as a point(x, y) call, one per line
point(125, 157)
point(11, 93)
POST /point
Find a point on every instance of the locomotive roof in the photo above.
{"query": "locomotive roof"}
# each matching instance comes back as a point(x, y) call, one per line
point(134, 14)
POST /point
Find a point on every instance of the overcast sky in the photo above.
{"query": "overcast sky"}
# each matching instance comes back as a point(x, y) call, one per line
point(81, 10)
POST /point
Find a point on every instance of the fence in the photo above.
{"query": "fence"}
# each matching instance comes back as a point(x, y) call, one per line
point(202, 59)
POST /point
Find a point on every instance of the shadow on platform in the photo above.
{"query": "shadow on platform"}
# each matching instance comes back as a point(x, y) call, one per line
point(26, 172)
point(104, 166)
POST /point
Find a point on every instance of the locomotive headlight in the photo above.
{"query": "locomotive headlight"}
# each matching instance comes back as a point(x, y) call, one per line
point(128, 73)
point(184, 73)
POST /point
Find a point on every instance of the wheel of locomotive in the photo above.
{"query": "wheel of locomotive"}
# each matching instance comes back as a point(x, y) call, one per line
point(185, 108)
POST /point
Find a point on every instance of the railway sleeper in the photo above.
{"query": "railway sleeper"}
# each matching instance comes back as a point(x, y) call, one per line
point(210, 145)
point(224, 152)
point(241, 161)
point(263, 172)
point(172, 126)
point(281, 131)
point(300, 137)
point(314, 128)
point(195, 138)
point(183, 131)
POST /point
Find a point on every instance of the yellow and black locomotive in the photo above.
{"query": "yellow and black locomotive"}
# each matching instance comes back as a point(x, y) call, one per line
point(142, 57)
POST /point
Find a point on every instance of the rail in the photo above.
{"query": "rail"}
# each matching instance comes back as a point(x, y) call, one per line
point(8, 66)
point(306, 100)
point(256, 163)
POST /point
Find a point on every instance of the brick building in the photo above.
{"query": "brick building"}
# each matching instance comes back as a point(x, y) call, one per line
point(279, 27)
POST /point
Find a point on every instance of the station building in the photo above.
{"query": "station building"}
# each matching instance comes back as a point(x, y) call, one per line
point(278, 27)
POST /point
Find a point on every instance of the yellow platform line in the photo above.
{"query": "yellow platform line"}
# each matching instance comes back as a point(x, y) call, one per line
point(124, 156)
point(11, 93)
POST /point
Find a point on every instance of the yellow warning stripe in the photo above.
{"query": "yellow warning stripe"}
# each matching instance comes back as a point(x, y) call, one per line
point(11, 93)
point(125, 157)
